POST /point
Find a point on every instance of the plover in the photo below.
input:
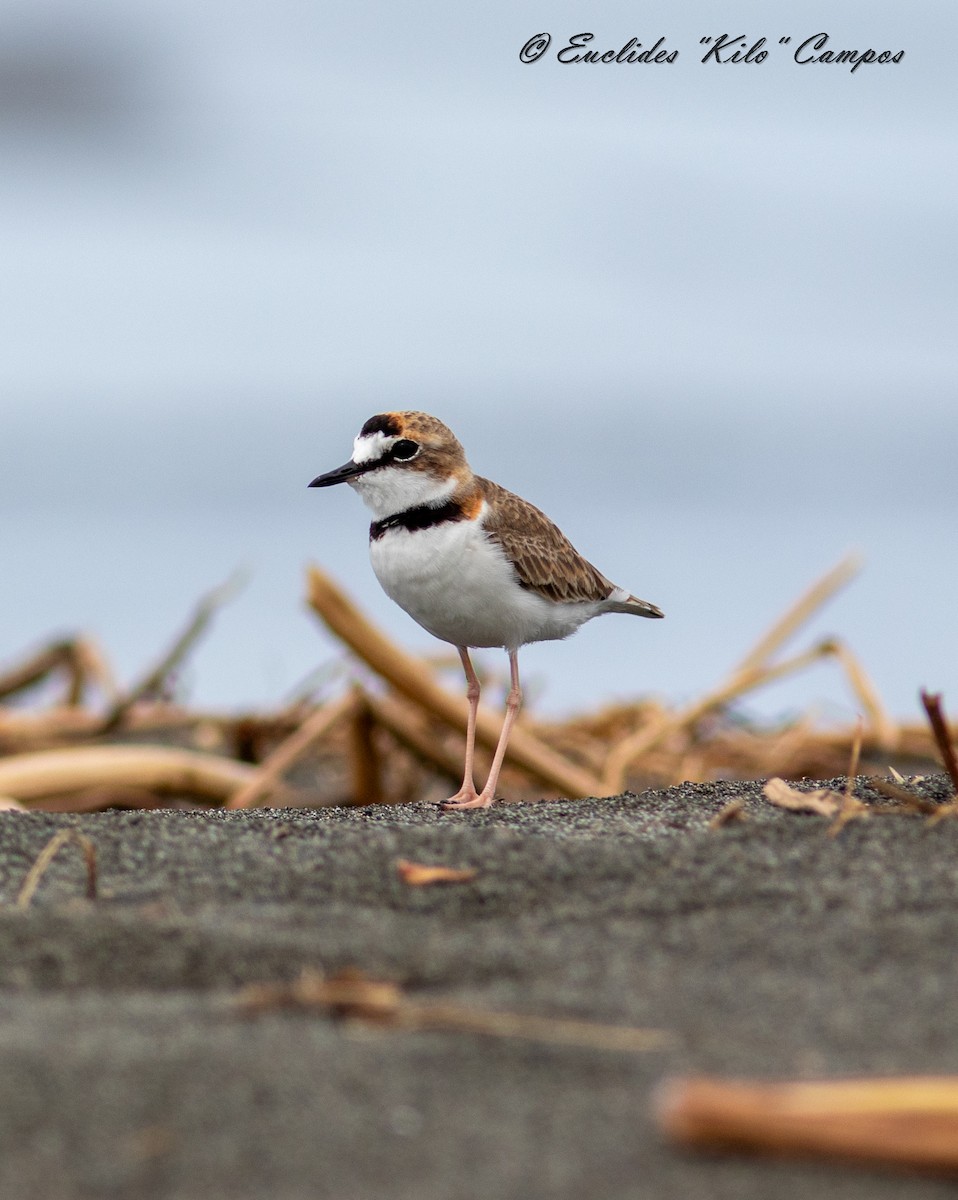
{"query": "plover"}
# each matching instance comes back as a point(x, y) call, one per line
point(474, 564)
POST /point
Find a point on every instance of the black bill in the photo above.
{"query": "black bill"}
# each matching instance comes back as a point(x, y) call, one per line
point(342, 474)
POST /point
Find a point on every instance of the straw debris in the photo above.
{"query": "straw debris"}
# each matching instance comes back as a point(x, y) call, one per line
point(396, 733)
point(421, 875)
point(350, 994)
point(46, 856)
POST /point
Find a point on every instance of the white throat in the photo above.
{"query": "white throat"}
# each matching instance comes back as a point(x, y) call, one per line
point(390, 490)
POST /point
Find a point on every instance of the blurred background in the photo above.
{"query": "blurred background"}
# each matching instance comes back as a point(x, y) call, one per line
point(703, 315)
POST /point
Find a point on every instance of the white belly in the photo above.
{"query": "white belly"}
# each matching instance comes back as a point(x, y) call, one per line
point(461, 588)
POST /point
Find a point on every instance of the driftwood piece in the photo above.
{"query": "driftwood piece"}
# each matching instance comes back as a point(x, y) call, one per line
point(26, 777)
point(908, 1122)
point(97, 799)
point(365, 766)
point(594, 754)
point(21, 730)
point(413, 680)
point(264, 778)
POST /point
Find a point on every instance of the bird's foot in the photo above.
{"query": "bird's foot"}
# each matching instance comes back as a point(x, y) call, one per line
point(467, 799)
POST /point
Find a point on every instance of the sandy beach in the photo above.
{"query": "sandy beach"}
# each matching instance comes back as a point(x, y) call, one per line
point(764, 948)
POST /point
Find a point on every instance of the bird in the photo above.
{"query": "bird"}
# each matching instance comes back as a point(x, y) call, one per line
point(474, 564)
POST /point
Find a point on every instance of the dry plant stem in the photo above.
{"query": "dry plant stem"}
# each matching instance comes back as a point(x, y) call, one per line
point(422, 875)
point(886, 730)
point(352, 995)
point(93, 667)
point(912, 741)
point(78, 657)
point(851, 808)
point(943, 811)
point(733, 811)
point(772, 755)
point(912, 801)
point(907, 1122)
point(752, 672)
point(692, 768)
point(154, 680)
point(666, 723)
point(156, 768)
point(632, 748)
point(365, 768)
point(401, 721)
point(60, 721)
point(37, 667)
point(46, 857)
point(936, 718)
point(799, 613)
point(552, 1030)
point(35, 730)
point(96, 799)
point(413, 680)
point(270, 772)
point(856, 754)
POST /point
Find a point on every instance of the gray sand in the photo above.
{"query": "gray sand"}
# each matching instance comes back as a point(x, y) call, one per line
point(766, 947)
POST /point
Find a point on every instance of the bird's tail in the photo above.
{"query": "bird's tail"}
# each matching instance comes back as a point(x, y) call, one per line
point(621, 601)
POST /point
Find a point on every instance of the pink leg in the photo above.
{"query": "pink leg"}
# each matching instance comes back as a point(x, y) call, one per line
point(513, 703)
point(467, 793)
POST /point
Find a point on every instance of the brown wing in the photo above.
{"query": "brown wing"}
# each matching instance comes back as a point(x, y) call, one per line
point(545, 560)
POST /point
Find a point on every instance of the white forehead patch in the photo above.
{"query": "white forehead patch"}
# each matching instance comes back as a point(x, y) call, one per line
point(370, 446)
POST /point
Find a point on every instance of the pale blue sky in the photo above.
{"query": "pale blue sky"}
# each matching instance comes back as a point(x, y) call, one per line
point(705, 316)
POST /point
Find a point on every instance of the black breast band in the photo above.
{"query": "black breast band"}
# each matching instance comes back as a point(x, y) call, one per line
point(422, 517)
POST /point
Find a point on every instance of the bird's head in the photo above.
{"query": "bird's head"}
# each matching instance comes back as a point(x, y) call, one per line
point(402, 460)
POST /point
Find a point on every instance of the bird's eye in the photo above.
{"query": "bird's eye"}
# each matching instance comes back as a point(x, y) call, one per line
point(405, 449)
